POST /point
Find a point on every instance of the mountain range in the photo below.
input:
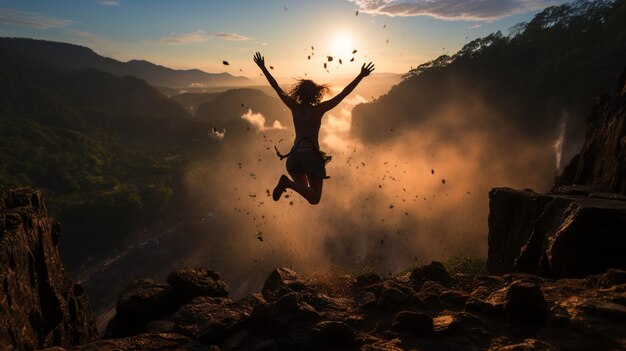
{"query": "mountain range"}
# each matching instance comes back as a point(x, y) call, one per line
point(70, 56)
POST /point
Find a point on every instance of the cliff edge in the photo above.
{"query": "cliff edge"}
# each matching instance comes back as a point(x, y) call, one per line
point(39, 305)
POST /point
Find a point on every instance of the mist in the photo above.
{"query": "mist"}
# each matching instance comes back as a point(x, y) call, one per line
point(420, 195)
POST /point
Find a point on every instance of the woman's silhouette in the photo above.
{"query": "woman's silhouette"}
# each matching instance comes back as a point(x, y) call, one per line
point(305, 162)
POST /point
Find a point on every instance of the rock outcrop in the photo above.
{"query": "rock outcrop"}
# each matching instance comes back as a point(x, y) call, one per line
point(556, 235)
point(39, 305)
point(580, 227)
point(442, 312)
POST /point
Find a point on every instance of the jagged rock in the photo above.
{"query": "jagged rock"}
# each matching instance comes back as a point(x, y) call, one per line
point(571, 236)
point(413, 322)
point(280, 282)
point(601, 164)
point(40, 306)
point(142, 301)
point(145, 342)
point(193, 282)
point(511, 216)
point(435, 271)
point(525, 303)
point(209, 319)
point(334, 333)
point(584, 314)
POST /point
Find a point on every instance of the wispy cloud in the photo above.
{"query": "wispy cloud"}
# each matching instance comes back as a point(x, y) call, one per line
point(467, 10)
point(198, 36)
point(29, 19)
point(109, 2)
point(230, 36)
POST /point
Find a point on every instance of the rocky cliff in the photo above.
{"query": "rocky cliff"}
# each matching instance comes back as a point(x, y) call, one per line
point(580, 227)
point(425, 309)
point(601, 164)
point(39, 304)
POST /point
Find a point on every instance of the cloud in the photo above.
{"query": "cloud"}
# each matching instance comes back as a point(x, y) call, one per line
point(109, 2)
point(257, 120)
point(29, 19)
point(180, 39)
point(198, 36)
point(230, 36)
point(467, 10)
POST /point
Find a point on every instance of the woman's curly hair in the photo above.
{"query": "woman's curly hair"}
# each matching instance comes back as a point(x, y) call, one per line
point(306, 91)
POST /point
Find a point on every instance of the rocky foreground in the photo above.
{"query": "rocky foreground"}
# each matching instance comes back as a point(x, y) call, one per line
point(425, 309)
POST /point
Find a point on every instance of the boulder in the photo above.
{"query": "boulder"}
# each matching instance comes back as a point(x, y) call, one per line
point(280, 282)
point(525, 303)
point(41, 307)
point(560, 236)
point(435, 271)
point(192, 282)
point(142, 301)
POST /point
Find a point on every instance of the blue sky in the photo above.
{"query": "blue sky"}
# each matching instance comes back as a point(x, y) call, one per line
point(395, 34)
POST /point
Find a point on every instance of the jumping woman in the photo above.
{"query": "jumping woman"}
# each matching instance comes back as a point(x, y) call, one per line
point(306, 163)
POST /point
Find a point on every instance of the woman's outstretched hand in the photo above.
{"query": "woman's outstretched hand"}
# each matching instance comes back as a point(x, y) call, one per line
point(259, 60)
point(367, 69)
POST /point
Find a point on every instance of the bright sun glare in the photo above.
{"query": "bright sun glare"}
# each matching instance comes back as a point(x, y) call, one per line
point(342, 46)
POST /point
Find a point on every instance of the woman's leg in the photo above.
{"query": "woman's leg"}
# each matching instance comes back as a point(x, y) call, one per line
point(300, 184)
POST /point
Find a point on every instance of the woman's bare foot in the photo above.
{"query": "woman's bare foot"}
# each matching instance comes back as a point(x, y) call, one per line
point(280, 187)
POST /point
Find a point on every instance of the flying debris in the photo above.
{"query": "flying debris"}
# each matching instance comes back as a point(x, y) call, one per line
point(240, 70)
point(384, 26)
point(271, 67)
point(285, 8)
point(325, 65)
point(309, 57)
point(242, 105)
point(387, 41)
point(432, 171)
point(225, 63)
point(443, 181)
point(352, 59)
point(312, 48)
point(329, 58)
point(353, 51)
point(340, 62)
point(357, 13)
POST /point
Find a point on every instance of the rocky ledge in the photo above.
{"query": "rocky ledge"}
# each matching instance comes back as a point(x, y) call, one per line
point(562, 235)
point(426, 309)
point(39, 305)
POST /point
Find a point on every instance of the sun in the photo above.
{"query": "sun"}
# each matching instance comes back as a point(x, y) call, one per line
point(342, 45)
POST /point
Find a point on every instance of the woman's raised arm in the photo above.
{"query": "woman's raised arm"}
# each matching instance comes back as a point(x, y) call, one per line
point(260, 61)
point(365, 71)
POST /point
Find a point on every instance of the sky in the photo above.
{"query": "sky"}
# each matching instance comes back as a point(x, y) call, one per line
point(394, 34)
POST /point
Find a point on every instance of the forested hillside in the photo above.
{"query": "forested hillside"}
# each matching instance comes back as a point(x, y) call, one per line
point(537, 80)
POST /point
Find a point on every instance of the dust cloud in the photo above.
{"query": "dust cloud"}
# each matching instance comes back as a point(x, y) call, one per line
point(420, 195)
